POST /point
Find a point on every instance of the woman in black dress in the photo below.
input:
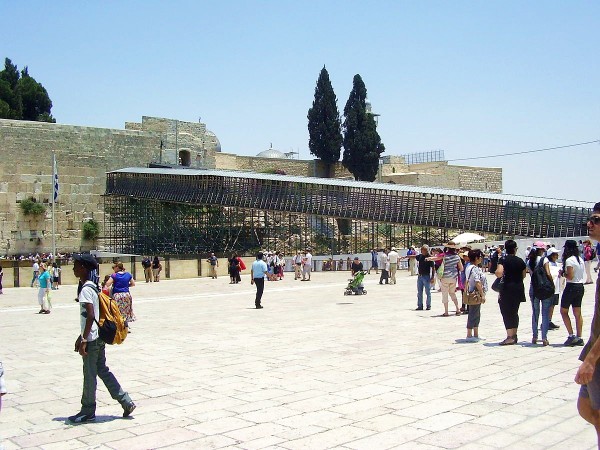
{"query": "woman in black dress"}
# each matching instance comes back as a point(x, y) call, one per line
point(513, 269)
point(234, 269)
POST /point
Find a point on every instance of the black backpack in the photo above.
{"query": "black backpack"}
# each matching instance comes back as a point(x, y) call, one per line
point(543, 286)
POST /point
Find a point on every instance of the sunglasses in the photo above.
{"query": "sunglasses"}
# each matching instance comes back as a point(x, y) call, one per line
point(595, 219)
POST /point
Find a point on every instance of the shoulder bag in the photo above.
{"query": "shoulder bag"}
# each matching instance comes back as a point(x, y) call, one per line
point(473, 298)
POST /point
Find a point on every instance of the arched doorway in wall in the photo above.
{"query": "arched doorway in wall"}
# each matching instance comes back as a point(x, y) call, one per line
point(185, 158)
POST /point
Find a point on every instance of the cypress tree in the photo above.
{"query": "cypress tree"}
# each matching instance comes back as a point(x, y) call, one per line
point(362, 143)
point(324, 125)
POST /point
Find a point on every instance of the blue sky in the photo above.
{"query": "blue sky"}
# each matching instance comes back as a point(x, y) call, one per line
point(472, 78)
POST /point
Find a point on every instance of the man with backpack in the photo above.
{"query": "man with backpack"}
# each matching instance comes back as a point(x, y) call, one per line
point(147, 265)
point(90, 346)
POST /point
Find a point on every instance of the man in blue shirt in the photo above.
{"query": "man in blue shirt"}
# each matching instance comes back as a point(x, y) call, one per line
point(257, 277)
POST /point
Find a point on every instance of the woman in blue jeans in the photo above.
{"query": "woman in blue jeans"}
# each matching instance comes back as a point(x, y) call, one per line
point(537, 257)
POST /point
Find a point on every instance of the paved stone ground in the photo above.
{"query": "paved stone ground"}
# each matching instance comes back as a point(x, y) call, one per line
point(314, 369)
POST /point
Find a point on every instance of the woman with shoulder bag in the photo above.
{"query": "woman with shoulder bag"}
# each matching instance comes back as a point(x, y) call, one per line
point(513, 270)
point(476, 287)
point(536, 256)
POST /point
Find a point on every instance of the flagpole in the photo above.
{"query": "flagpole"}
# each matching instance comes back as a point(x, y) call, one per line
point(54, 174)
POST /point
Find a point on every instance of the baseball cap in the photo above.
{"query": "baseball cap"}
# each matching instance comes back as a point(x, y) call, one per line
point(539, 244)
point(551, 251)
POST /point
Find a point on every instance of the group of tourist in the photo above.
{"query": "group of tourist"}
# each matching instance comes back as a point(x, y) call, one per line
point(152, 269)
point(385, 260)
point(463, 270)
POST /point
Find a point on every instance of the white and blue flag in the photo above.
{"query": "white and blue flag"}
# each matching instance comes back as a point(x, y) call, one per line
point(54, 179)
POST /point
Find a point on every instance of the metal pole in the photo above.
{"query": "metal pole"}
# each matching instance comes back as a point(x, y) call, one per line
point(54, 172)
point(176, 141)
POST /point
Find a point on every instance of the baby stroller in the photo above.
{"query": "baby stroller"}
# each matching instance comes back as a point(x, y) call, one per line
point(355, 285)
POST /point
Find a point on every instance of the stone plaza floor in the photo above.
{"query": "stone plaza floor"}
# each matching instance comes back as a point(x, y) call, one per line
point(314, 369)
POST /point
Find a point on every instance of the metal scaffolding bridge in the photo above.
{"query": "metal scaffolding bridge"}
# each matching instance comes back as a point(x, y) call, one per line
point(498, 214)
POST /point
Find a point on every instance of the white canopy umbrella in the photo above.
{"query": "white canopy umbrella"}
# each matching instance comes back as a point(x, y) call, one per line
point(467, 238)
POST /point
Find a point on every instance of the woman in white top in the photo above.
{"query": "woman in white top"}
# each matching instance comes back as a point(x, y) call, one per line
point(573, 270)
point(553, 269)
point(475, 280)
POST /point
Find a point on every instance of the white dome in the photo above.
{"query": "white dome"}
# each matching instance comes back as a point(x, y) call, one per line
point(272, 153)
point(216, 139)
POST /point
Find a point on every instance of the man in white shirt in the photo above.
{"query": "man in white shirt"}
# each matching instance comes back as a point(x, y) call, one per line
point(36, 273)
point(91, 347)
point(393, 259)
point(306, 266)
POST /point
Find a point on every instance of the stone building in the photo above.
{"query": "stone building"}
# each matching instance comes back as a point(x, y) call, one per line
point(85, 154)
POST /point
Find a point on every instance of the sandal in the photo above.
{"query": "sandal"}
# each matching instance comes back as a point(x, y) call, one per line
point(458, 313)
point(508, 341)
point(445, 315)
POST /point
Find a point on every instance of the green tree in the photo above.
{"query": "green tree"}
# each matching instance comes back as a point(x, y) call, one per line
point(10, 99)
point(362, 144)
point(35, 99)
point(324, 125)
point(22, 97)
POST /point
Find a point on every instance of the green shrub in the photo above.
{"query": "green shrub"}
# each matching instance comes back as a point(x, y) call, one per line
point(30, 207)
point(91, 230)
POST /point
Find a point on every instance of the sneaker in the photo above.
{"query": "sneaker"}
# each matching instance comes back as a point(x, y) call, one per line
point(570, 340)
point(553, 326)
point(419, 308)
point(82, 418)
point(128, 410)
point(577, 342)
point(428, 308)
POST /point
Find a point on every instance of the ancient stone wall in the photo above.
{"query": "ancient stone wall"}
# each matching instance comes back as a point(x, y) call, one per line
point(182, 143)
point(442, 174)
point(83, 155)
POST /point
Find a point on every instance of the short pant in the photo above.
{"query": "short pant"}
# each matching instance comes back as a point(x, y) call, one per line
point(555, 298)
point(572, 296)
point(592, 390)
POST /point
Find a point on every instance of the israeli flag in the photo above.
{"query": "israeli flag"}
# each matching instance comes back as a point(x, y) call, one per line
point(55, 178)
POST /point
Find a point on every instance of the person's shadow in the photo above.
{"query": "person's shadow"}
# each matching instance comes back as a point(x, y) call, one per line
point(99, 419)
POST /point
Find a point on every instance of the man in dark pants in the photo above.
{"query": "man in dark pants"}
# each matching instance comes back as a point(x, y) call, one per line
point(425, 279)
point(257, 277)
point(588, 374)
point(91, 347)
